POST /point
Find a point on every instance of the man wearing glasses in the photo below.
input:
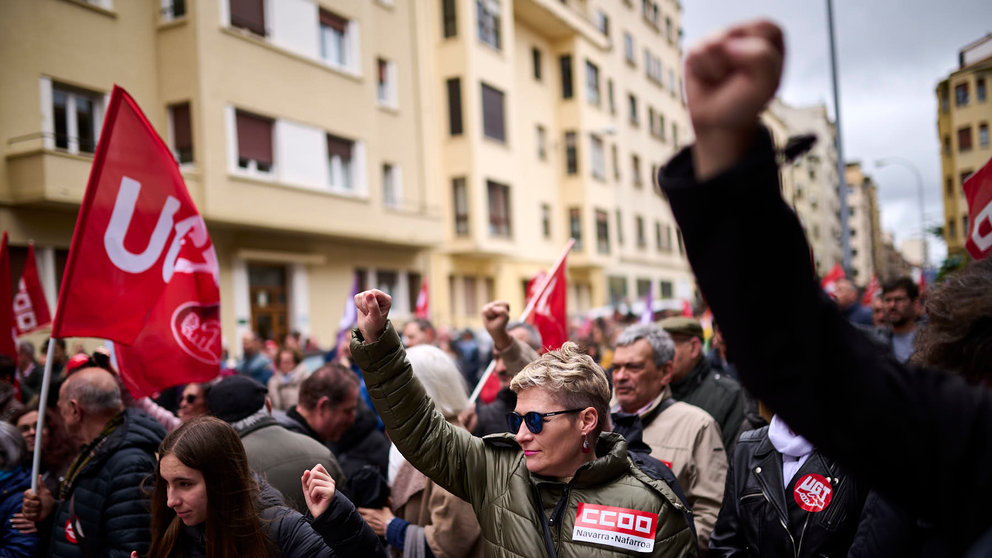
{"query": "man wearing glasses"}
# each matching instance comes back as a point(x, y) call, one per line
point(900, 299)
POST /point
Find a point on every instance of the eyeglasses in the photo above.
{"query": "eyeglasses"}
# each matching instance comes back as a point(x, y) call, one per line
point(190, 398)
point(533, 419)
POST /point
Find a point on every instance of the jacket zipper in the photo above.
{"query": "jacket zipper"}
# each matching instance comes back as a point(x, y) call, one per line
point(781, 520)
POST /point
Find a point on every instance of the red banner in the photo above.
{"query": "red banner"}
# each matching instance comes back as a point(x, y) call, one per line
point(8, 343)
point(30, 307)
point(871, 290)
point(423, 302)
point(829, 282)
point(549, 310)
point(978, 191)
point(142, 270)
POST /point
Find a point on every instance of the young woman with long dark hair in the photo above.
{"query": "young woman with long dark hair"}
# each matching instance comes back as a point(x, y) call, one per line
point(206, 502)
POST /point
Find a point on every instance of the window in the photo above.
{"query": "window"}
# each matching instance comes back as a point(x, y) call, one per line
point(565, 62)
point(471, 295)
point(964, 225)
point(602, 232)
point(181, 132)
point(944, 102)
point(961, 94)
point(617, 287)
point(249, 15)
point(449, 22)
point(571, 153)
point(983, 135)
point(661, 127)
point(671, 80)
point(536, 59)
point(980, 90)
point(651, 122)
point(254, 142)
point(666, 289)
point(615, 152)
point(386, 83)
point(575, 227)
point(642, 240)
point(678, 236)
point(335, 40)
point(76, 116)
point(675, 135)
point(499, 209)
point(173, 9)
point(949, 186)
point(666, 241)
point(628, 48)
point(592, 83)
point(619, 229)
point(492, 113)
point(340, 156)
point(602, 22)
point(947, 145)
point(635, 169)
point(487, 13)
point(632, 108)
point(545, 220)
point(643, 287)
point(609, 96)
point(542, 150)
point(649, 10)
point(668, 29)
point(392, 189)
point(597, 157)
point(455, 106)
point(952, 231)
point(964, 139)
point(657, 235)
point(460, 197)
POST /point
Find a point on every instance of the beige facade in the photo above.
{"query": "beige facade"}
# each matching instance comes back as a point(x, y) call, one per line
point(316, 138)
point(810, 183)
point(863, 224)
point(964, 113)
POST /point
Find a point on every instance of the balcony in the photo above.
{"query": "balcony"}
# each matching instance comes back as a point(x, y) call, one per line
point(556, 20)
point(40, 176)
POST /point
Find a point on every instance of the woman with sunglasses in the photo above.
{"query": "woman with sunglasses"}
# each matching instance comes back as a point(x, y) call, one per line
point(207, 502)
point(559, 485)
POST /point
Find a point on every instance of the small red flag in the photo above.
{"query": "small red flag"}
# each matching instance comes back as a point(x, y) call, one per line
point(142, 270)
point(870, 291)
point(829, 282)
point(549, 314)
point(423, 302)
point(686, 308)
point(978, 191)
point(8, 343)
point(30, 307)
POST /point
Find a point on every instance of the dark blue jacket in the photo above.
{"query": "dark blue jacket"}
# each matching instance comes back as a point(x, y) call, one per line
point(13, 543)
point(106, 503)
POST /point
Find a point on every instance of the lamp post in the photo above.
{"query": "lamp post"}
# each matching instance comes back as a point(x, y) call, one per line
point(919, 191)
point(845, 231)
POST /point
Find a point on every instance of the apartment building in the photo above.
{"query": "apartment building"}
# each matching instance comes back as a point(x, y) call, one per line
point(811, 181)
point(298, 126)
point(964, 112)
point(555, 118)
point(864, 226)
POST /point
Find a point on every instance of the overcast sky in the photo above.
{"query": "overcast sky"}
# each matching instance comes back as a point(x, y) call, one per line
point(891, 55)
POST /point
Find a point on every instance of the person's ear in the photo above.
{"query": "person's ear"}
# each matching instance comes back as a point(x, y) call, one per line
point(588, 419)
point(666, 371)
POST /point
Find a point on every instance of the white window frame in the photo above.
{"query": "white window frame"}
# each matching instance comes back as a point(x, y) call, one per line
point(167, 13)
point(597, 157)
point(628, 48)
point(488, 20)
point(47, 91)
point(386, 91)
point(592, 83)
point(345, 54)
point(392, 185)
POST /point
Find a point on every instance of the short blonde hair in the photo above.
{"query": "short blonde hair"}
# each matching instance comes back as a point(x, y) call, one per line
point(572, 378)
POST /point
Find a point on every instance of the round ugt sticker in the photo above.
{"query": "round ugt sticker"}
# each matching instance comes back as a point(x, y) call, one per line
point(813, 493)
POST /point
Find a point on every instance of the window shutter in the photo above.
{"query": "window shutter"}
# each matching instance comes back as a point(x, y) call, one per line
point(249, 14)
point(254, 137)
point(333, 21)
point(340, 147)
point(181, 127)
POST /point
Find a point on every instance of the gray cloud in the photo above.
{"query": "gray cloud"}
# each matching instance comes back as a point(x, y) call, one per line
point(891, 55)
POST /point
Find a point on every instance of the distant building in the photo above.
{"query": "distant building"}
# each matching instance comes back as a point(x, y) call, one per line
point(863, 223)
point(964, 112)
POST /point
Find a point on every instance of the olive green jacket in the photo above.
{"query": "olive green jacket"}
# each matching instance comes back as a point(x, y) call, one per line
point(491, 473)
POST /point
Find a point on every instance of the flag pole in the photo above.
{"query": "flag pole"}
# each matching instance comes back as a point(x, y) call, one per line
point(524, 316)
point(42, 407)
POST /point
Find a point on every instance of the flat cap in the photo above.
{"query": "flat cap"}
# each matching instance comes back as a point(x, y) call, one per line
point(235, 398)
point(681, 325)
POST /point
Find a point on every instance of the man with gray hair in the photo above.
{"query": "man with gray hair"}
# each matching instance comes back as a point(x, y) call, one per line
point(277, 454)
point(683, 437)
point(102, 509)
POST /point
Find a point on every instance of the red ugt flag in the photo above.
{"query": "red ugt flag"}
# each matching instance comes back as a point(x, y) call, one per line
point(142, 270)
point(8, 346)
point(30, 307)
point(978, 190)
point(871, 290)
point(549, 314)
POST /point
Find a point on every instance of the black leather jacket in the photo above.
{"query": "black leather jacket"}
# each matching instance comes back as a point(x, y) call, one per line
point(761, 517)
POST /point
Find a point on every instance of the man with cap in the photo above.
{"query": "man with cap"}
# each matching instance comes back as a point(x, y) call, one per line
point(275, 453)
point(695, 382)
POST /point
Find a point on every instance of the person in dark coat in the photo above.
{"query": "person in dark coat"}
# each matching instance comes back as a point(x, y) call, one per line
point(15, 478)
point(856, 403)
point(206, 502)
point(101, 507)
point(784, 498)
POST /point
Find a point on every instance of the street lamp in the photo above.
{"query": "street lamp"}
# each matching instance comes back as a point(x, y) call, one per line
point(919, 190)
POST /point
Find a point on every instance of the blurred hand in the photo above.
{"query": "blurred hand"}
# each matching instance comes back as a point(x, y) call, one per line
point(318, 489)
point(729, 79)
point(23, 524)
point(373, 311)
point(378, 520)
point(468, 418)
point(495, 316)
point(38, 506)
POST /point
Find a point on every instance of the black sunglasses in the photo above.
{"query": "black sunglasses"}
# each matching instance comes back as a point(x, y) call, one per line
point(533, 419)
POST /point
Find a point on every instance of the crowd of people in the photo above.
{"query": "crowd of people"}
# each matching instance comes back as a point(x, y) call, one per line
point(795, 434)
